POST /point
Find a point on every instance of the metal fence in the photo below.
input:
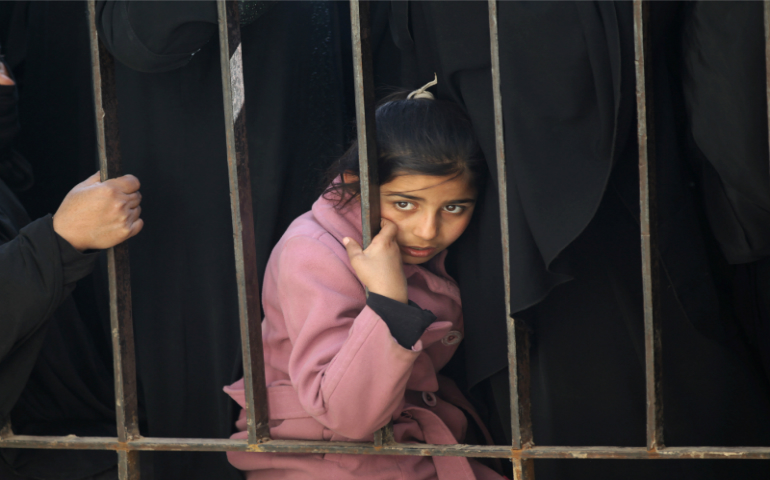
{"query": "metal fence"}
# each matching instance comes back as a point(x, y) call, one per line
point(522, 452)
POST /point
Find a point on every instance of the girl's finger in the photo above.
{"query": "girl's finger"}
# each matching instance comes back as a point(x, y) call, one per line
point(352, 247)
point(388, 231)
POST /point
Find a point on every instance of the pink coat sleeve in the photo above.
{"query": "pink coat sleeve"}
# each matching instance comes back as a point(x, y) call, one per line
point(349, 372)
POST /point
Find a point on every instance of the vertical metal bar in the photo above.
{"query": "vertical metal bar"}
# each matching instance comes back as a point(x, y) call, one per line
point(518, 349)
point(648, 211)
point(231, 58)
point(378, 437)
point(121, 322)
point(523, 469)
point(128, 465)
point(366, 128)
point(7, 430)
point(767, 58)
point(365, 123)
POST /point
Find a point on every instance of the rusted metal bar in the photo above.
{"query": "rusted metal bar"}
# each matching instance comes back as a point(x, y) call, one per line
point(365, 123)
point(121, 322)
point(648, 211)
point(305, 446)
point(518, 345)
point(523, 468)
point(247, 279)
point(767, 58)
point(366, 129)
point(128, 465)
point(7, 430)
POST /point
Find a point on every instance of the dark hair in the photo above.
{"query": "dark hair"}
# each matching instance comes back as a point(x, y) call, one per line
point(416, 136)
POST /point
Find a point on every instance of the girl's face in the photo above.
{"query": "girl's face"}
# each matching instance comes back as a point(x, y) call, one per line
point(430, 212)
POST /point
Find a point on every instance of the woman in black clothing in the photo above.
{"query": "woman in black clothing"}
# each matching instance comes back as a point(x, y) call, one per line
point(52, 381)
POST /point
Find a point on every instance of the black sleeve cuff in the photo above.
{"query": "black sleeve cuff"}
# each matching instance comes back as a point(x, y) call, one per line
point(406, 322)
point(75, 264)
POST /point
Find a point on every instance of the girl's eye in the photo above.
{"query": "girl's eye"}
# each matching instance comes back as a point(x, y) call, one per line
point(454, 209)
point(404, 206)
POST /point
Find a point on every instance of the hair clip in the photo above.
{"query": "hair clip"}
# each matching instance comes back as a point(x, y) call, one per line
point(421, 92)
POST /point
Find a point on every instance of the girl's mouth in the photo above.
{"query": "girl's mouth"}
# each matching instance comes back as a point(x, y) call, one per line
point(418, 252)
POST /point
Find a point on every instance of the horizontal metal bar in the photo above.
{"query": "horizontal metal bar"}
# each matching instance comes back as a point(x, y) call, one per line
point(307, 446)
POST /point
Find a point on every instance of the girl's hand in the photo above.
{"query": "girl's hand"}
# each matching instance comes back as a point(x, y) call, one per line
point(380, 267)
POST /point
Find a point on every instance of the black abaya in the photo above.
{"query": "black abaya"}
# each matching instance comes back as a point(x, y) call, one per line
point(724, 79)
point(52, 380)
point(725, 85)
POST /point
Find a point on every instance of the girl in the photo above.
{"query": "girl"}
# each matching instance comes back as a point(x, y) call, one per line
point(340, 366)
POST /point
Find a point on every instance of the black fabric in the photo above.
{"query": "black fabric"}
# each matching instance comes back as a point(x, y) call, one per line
point(15, 171)
point(9, 121)
point(173, 140)
point(554, 188)
point(724, 78)
point(32, 289)
point(723, 75)
point(56, 379)
point(407, 322)
point(568, 75)
point(49, 40)
point(51, 380)
point(587, 361)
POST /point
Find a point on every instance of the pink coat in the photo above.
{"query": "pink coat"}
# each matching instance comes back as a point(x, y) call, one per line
point(334, 372)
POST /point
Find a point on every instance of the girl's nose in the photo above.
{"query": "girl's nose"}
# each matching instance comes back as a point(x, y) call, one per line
point(427, 227)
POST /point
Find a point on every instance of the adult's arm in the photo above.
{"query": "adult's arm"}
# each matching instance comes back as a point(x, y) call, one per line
point(40, 263)
point(38, 269)
point(156, 36)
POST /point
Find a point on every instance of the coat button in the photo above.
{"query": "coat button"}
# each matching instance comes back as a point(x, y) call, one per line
point(452, 338)
point(429, 398)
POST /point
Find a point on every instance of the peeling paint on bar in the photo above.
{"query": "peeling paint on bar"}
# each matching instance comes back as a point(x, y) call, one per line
point(767, 57)
point(118, 274)
point(648, 219)
point(518, 339)
point(247, 278)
